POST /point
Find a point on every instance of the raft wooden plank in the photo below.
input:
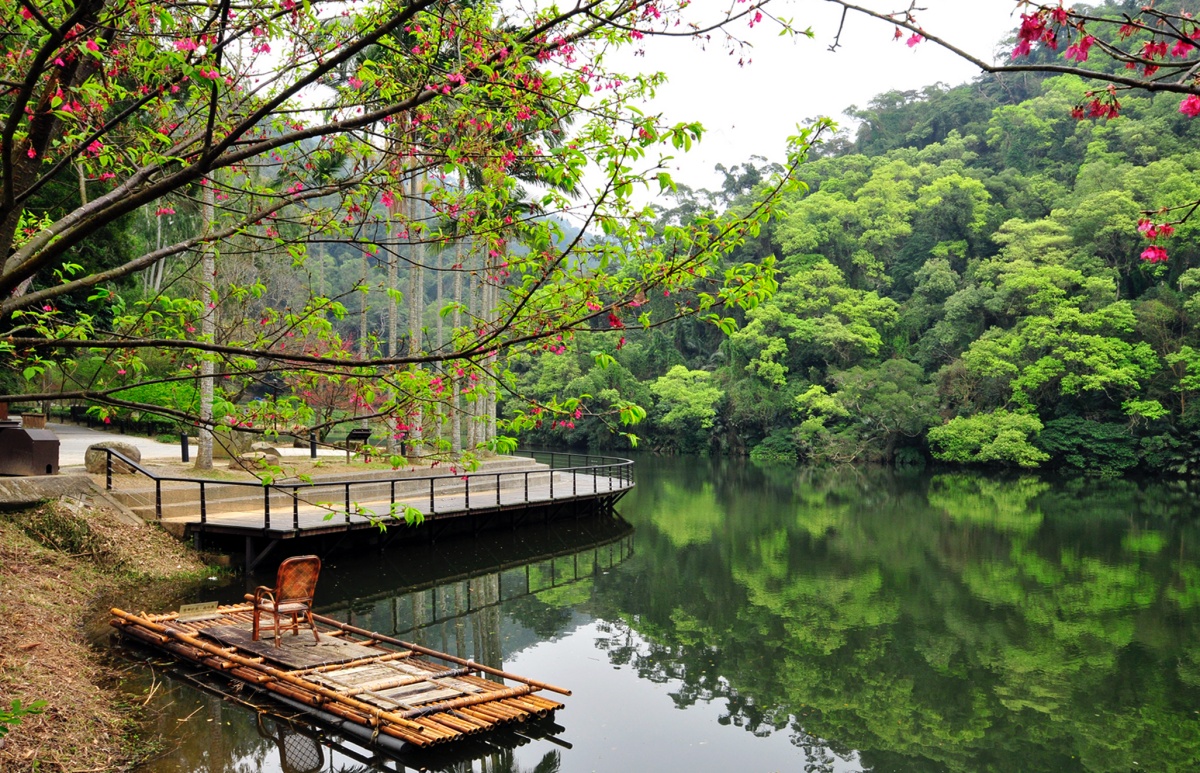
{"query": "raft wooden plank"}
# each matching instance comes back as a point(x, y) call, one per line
point(422, 692)
point(299, 651)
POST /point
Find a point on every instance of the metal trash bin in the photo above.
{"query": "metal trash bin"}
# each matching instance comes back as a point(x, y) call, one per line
point(27, 451)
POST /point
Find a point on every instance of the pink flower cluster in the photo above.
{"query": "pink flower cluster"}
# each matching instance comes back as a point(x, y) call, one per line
point(1154, 253)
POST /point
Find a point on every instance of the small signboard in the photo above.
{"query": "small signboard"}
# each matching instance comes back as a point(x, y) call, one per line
point(204, 610)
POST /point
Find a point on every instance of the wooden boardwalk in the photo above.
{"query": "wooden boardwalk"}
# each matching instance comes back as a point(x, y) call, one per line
point(504, 492)
point(383, 691)
point(324, 510)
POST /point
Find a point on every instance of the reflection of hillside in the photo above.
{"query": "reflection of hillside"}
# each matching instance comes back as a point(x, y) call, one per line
point(963, 623)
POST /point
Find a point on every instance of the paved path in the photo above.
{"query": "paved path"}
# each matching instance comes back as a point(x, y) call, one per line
point(74, 441)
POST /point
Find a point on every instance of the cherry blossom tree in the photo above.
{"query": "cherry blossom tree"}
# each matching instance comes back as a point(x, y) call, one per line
point(283, 115)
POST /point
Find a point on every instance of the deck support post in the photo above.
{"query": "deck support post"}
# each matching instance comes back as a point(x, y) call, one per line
point(253, 560)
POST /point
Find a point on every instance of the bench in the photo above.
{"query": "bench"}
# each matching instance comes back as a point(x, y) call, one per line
point(359, 437)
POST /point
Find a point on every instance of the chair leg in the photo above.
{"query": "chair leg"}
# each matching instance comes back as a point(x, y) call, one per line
point(278, 643)
point(308, 614)
point(254, 628)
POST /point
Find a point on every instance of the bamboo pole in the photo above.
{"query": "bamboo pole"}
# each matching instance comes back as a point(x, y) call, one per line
point(440, 655)
point(269, 671)
point(385, 658)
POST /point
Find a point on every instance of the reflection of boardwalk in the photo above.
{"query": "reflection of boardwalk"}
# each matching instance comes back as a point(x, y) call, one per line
point(419, 611)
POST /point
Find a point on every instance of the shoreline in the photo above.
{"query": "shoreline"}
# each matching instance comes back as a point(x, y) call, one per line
point(62, 563)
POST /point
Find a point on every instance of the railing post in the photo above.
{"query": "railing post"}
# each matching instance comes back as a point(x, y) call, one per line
point(347, 501)
point(158, 498)
point(266, 507)
point(526, 488)
point(183, 446)
point(467, 492)
point(431, 507)
point(498, 489)
point(312, 445)
point(296, 508)
point(203, 505)
point(574, 481)
point(108, 469)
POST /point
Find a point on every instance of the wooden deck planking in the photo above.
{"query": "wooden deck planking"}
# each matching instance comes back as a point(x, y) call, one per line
point(322, 514)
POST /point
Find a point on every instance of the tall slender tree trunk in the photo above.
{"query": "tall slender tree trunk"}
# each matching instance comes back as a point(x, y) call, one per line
point(362, 321)
point(439, 407)
point(395, 212)
point(208, 331)
point(416, 299)
point(456, 440)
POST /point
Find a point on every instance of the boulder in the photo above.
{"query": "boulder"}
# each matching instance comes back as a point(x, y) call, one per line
point(229, 443)
point(265, 448)
point(95, 460)
point(254, 460)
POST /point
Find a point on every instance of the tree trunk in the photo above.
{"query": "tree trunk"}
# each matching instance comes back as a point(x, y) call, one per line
point(456, 440)
point(416, 300)
point(208, 331)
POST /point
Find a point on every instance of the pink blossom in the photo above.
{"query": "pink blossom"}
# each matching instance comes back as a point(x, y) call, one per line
point(33, 153)
point(1079, 50)
point(1154, 254)
point(1190, 106)
point(186, 44)
point(914, 40)
point(167, 210)
point(91, 46)
point(95, 147)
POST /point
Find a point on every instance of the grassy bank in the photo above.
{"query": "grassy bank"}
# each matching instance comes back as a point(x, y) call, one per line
point(61, 565)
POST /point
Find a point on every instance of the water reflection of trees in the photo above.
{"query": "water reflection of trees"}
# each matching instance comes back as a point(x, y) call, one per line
point(946, 622)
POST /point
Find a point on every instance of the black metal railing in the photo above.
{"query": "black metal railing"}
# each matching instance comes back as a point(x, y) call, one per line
point(605, 475)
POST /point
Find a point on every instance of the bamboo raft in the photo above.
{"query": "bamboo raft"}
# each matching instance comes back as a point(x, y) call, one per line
point(386, 692)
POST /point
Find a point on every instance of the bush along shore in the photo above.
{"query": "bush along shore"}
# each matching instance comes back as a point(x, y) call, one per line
point(62, 564)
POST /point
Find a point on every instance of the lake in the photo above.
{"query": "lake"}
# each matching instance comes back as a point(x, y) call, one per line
point(736, 618)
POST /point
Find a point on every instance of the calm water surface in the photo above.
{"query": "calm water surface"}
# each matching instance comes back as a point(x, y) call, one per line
point(736, 619)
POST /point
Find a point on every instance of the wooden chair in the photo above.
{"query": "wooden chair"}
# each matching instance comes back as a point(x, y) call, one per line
point(292, 595)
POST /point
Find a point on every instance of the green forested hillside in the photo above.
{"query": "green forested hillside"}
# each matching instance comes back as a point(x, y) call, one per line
point(961, 281)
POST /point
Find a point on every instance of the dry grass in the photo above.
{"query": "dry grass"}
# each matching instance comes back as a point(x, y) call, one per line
point(60, 564)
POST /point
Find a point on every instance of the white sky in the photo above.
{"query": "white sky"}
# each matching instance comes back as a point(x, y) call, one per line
point(751, 110)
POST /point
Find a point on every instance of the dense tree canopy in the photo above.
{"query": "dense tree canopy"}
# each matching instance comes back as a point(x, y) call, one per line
point(978, 292)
